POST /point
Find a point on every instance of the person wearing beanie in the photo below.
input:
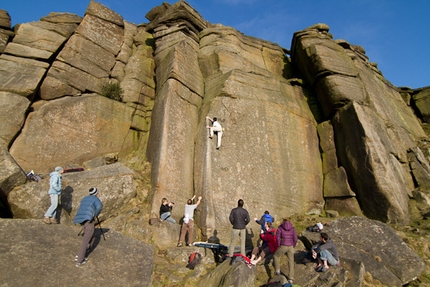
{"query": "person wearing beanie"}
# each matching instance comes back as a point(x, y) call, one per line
point(89, 209)
point(54, 192)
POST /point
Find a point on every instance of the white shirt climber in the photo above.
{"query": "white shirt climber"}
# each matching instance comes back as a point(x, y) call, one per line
point(216, 127)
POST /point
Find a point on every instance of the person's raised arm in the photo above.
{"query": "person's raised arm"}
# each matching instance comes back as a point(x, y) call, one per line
point(199, 200)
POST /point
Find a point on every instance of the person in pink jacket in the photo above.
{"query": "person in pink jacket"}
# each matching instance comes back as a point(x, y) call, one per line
point(286, 238)
point(269, 244)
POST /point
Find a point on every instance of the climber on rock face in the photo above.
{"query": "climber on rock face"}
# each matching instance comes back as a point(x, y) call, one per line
point(217, 128)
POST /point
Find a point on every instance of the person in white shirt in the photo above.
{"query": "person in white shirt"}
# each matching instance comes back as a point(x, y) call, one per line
point(188, 224)
point(216, 127)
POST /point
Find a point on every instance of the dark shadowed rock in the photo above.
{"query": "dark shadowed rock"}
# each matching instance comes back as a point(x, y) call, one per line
point(11, 176)
point(36, 254)
point(422, 103)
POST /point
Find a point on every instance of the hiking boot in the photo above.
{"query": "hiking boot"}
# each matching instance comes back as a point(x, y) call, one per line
point(53, 220)
point(189, 244)
point(81, 263)
point(179, 244)
point(47, 220)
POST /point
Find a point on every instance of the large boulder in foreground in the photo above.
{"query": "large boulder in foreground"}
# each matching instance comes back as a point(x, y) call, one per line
point(36, 254)
point(376, 245)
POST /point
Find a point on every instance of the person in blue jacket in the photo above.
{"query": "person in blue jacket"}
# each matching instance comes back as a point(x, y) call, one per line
point(89, 209)
point(55, 185)
point(266, 217)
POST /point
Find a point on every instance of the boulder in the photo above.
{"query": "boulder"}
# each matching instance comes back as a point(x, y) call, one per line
point(376, 176)
point(25, 244)
point(11, 176)
point(336, 184)
point(20, 78)
point(381, 251)
point(13, 111)
point(5, 31)
point(42, 36)
point(114, 182)
point(86, 60)
point(237, 274)
point(79, 129)
point(4, 19)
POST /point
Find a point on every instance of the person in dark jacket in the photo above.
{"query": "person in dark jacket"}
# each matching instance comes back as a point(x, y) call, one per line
point(326, 253)
point(239, 218)
point(286, 237)
point(89, 209)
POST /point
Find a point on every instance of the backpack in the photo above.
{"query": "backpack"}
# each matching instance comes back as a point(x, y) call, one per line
point(194, 259)
point(33, 177)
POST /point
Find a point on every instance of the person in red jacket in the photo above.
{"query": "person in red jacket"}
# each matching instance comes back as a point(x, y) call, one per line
point(269, 245)
point(286, 238)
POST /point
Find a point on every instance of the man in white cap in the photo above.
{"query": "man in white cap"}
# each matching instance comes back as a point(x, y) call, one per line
point(89, 209)
point(54, 192)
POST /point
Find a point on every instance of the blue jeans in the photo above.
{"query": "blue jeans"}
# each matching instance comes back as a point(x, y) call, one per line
point(326, 256)
point(166, 216)
point(52, 210)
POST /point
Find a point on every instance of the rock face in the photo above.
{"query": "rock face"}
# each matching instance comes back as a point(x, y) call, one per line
point(119, 259)
point(306, 130)
point(114, 182)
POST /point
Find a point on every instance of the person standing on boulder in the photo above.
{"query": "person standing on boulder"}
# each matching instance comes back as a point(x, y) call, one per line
point(89, 209)
point(286, 237)
point(239, 218)
point(188, 221)
point(216, 127)
point(55, 186)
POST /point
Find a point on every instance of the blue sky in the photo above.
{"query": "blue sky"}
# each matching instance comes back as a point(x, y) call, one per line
point(394, 33)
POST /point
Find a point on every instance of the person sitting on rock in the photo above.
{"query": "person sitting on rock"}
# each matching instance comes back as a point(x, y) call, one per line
point(216, 127)
point(326, 253)
point(269, 247)
point(166, 210)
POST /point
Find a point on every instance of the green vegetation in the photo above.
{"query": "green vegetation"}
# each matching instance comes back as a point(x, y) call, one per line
point(112, 91)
